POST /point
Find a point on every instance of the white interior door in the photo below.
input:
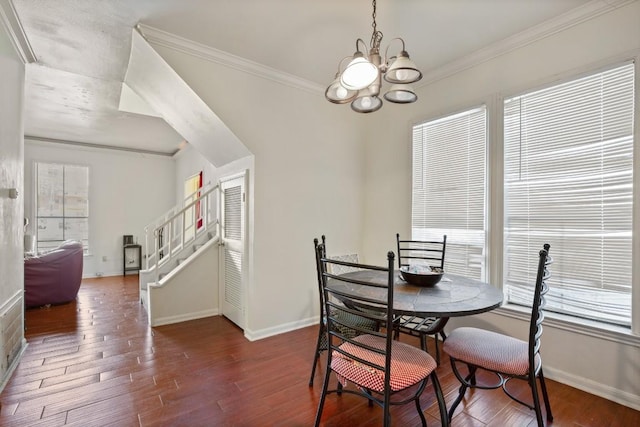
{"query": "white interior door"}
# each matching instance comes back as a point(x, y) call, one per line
point(232, 241)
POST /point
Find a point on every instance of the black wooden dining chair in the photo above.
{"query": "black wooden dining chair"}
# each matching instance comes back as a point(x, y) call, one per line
point(373, 362)
point(425, 252)
point(362, 322)
point(507, 357)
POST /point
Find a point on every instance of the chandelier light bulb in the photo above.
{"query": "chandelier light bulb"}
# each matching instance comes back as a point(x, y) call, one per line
point(403, 74)
point(341, 93)
point(367, 102)
point(337, 93)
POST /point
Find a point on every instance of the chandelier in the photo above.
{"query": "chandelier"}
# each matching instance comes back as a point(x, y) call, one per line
point(360, 81)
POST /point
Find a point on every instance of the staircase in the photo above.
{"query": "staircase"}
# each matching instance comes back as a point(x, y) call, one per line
point(174, 243)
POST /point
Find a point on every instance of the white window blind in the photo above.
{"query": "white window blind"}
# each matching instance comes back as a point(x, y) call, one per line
point(449, 188)
point(568, 181)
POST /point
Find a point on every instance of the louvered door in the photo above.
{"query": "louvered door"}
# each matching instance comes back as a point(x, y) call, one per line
point(232, 289)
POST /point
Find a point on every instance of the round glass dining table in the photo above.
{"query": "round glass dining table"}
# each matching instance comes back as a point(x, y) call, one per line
point(451, 297)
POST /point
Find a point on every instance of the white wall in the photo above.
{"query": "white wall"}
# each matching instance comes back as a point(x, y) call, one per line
point(126, 192)
point(599, 363)
point(307, 180)
point(188, 293)
point(11, 173)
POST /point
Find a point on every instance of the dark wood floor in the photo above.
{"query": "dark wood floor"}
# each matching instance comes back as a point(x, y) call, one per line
point(96, 362)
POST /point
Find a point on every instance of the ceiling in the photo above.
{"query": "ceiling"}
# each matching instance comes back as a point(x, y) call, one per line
point(82, 48)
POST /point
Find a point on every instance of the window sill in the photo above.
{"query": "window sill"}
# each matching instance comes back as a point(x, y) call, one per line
point(591, 328)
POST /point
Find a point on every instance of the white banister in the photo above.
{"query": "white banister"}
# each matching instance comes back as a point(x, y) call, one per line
point(170, 233)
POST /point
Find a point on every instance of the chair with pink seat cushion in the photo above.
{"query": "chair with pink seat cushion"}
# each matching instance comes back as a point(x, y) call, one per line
point(505, 356)
point(53, 277)
point(377, 366)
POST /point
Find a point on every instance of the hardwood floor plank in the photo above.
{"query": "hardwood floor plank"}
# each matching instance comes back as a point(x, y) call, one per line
point(96, 362)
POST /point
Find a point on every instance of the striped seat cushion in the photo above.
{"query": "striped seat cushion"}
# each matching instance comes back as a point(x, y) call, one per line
point(489, 350)
point(409, 364)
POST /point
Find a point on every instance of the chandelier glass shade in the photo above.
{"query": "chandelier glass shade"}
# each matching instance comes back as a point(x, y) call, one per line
point(360, 81)
point(359, 74)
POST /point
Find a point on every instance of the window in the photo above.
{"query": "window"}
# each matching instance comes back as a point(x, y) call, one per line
point(448, 195)
point(62, 205)
point(568, 181)
point(568, 170)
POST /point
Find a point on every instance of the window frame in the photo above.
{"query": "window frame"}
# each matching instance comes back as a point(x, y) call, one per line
point(36, 163)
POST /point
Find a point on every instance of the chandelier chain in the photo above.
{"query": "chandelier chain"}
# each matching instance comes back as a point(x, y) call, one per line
point(376, 36)
point(373, 16)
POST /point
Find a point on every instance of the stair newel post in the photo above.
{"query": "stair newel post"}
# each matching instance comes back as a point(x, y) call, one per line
point(204, 212)
point(156, 254)
point(184, 227)
point(201, 213)
point(170, 239)
point(146, 247)
point(218, 212)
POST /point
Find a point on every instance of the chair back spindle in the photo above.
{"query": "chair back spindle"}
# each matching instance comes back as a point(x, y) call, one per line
point(430, 252)
point(537, 313)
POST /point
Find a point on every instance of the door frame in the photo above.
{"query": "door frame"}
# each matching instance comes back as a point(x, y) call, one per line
point(244, 175)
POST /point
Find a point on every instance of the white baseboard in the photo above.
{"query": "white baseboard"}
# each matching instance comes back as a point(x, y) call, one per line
point(593, 387)
point(168, 320)
point(280, 329)
point(102, 274)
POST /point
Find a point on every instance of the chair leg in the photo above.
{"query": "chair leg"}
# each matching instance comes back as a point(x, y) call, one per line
point(423, 342)
point(316, 357)
point(325, 386)
point(472, 374)
point(545, 395)
point(442, 407)
point(417, 401)
point(461, 392)
point(313, 368)
point(425, 347)
point(386, 413)
point(536, 400)
point(464, 384)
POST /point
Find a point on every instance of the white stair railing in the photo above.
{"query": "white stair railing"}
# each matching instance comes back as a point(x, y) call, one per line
point(179, 227)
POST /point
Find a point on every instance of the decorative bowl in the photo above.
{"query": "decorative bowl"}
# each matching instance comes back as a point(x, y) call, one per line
point(421, 275)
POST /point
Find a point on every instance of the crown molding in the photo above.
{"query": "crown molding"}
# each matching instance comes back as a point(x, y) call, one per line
point(11, 22)
point(552, 26)
point(39, 139)
point(538, 32)
point(199, 50)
